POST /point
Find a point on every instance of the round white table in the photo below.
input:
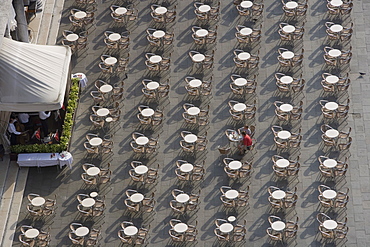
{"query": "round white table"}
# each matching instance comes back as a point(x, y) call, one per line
point(330, 224)
point(88, 202)
point(152, 85)
point(201, 32)
point(278, 194)
point(141, 169)
point(336, 3)
point(282, 163)
point(246, 4)
point(190, 138)
point(182, 198)
point(147, 112)
point(110, 61)
point(331, 106)
point(286, 107)
point(336, 28)
point(286, 79)
point(94, 194)
point(332, 133)
point(226, 227)
point(93, 171)
point(137, 197)
point(187, 167)
point(155, 59)
point(160, 10)
point(291, 5)
point(142, 140)
point(96, 141)
point(199, 57)
point(32, 233)
point(80, 14)
point(82, 231)
point(181, 227)
point(195, 83)
point(235, 165)
point(120, 11)
point(330, 163)
point(288, 29)
point(231, 194)
point(335, 53)
point(204, 8)
point(287, 54)
point(193, 111)
point(72, 37)
point(102, 112)
point(284, 134)
point(114, 37)
point(231, 218)
point(278, 225)
point(158, 34)
point(329, 194)
point(130, 230)
point(239, 107)
point(244, 56)
point(38, 201)
point(332, 79)
point(109, 119)
point(240, 82)
point(246, 31)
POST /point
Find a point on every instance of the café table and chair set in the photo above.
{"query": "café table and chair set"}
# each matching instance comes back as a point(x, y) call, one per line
point(280, 199)
point(285, 139)
point(241, 86)
point(339, 8)
point(281, 230)
point(75, 40)
point(32, 236)
point(290, 32)
point(182, 232)
point(189, 172)
point(229, 230)
point(244, 59)
point(330, 198)
point(332, 168)
point(111, 64)
point(240, 111)
point(40, 207)
point(233, 199)
point(137, 202)
point(248, 35)
point(155, 62)
point(249, 8)
point(332, 110)
point(196, 87)
point(81, 18)
point(285, 168)
point(143, 173)
point(142, 144)
point(207, 13)
point(332, 137)
point(290, 85)
point(286, 112)
point(154, 90)
point(294, 8)
point(192, 143)
point(331, 228)
point(203, 36)
point(149, 117)
point(163, 14)
point(82, 235)
point(123, 14)
point(96, 145)
point(337, 57)
point(202, 60)
point(184, 203)
point(115, 40)
point(236, 169)
point(338, 32)
point(132, 234)
point(194, 115)
point(94, 175)
point(91, 205)
point(159, 37)
point(288, 58)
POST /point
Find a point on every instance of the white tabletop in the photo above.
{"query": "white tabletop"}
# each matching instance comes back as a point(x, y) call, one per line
point(152, 85)
point(32, 233)
point(96, 141)
point(330, 224)
point(244, 56)
point(336, 28)
point(286, 79)
point(160, 10)
point(159, 34)
point(88, 202)
point(93, 171)
point(335, 53)
point(278, 194)
point(155, 59)
point(245, 31)
point(181, 227)
point(80, 14)
point(190, 138)
point(287, 54)
point(332, 79)
point(226, 227)
point(109, 119)
point(329, 194)
point(102, 112)
point(204, 8)
point(38, 201)
point(130, 230)
point(114, 36)
point(141, 169)
point(246, 4)
point(142, 140)
point(235, 165)
point(282, 163)
point(330, 163)
point(331, 106)
point(195, 83)
point(289, 29)
point(187, 167)
point(182, 197)
point(94, 194)
point(332, 133)
point(82, 231)
point(278, 225)
point(147, 112)
point(284, 134)
point(336, 3)
point(193, 111)
point(240, 81)
point(110, 60)
point(286, 107)
point(231, 194)
point(239, 107)
point(231, 218)
point(291, 5)
point(198, 57)
point(201, 32)
point(137, 197)
point(72, 37)
point(120, 10)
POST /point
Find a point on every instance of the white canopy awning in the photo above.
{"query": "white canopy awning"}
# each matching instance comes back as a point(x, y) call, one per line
point(32, 77)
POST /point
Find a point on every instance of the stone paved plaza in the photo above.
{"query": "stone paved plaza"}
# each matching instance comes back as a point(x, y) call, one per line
point(68, 184)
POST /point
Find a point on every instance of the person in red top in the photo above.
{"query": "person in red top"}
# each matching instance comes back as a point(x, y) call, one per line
point(246, 143)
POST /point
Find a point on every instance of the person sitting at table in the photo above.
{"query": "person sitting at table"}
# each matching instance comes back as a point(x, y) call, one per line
point(44, 115)
point(246, 129)
point(13, 131)
point(246, 143)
